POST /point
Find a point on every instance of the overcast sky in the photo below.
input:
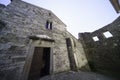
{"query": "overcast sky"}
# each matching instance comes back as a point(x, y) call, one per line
point(80, 15)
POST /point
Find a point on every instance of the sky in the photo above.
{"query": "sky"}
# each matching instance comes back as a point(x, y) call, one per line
point(79, 15)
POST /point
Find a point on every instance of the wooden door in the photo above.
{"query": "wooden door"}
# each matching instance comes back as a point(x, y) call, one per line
point(40, 63)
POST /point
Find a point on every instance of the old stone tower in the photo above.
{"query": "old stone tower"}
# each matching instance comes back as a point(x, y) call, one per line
point(34, 42)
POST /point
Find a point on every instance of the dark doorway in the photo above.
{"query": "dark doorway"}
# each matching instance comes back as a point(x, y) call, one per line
point(40, 65)
point(92, 66)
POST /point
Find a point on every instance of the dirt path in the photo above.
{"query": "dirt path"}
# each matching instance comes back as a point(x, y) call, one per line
point(77, 76)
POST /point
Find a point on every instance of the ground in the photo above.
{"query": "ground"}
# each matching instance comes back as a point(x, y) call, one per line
point(77, 76)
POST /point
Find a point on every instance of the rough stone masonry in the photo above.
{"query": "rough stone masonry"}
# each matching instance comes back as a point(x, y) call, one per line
point(103, 53)
point(34, 42)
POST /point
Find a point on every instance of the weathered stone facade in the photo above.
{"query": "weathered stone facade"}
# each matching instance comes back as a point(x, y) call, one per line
point(103, 54)
point(22, 29)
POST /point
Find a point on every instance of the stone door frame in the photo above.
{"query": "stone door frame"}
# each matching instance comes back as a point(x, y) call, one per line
point(28, 61)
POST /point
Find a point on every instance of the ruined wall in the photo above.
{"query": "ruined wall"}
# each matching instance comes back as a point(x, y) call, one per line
point(19, 20)
point(103, 53)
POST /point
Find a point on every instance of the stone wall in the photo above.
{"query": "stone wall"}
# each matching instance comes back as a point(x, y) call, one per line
point(18, 21)
point(103, 53)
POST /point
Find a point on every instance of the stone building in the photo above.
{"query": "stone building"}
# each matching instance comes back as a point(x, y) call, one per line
point(102, 48)
point(34, 42)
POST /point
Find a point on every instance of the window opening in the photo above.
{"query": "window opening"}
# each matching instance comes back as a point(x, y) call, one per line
point(48, 25)
point(107, 34)
point(95, 38)
point(49, 14)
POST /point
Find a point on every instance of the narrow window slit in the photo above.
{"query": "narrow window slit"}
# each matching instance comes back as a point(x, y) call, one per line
point(49, 25)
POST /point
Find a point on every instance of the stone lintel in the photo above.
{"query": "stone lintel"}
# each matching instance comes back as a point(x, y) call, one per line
point(37, 38)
